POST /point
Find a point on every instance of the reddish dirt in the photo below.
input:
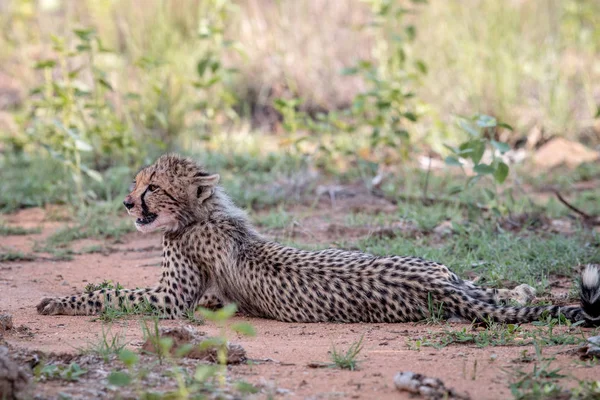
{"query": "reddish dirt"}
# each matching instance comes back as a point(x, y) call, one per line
point(281, 351)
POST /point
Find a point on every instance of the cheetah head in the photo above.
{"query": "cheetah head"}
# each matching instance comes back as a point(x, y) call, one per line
point(168, 194)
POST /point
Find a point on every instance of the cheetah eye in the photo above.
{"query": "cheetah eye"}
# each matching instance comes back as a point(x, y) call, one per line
point(132, 186)
point(153, 188)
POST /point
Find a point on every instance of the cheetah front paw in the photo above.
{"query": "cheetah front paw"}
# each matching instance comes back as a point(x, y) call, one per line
point(523, 294)
point(50, 306)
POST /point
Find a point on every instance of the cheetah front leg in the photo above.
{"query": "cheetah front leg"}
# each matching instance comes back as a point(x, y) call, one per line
point(160, 300)
point(180, 288)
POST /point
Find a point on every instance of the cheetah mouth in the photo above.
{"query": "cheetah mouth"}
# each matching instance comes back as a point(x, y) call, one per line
point(146, 219)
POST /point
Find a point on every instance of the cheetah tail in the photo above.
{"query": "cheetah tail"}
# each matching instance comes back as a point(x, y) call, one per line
point(590, 295)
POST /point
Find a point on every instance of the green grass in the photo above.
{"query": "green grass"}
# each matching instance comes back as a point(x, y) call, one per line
point(107, 347)
point(274, 219)
point(101, 221)
point(347, 359)
point(546, 332)
point(12, 255)
point(6, 230)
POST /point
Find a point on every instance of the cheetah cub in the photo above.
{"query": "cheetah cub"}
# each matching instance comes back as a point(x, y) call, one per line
point(213, 254)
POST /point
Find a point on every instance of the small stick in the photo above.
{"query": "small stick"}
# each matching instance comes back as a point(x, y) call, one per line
point(572, 207)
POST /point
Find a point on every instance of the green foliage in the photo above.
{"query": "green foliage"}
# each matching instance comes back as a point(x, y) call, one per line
point(480, 132)
point(385, 110)
point(12, 255)
point(220, 317)
point(71, 115)
point(108, 346)
point(6, 230)
point(106, 284)
point(72, 372)
point(214, 81)
point(100, 221)
point(347, 359)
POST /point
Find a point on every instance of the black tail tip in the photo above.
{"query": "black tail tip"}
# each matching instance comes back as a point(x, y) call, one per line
point(590, 295)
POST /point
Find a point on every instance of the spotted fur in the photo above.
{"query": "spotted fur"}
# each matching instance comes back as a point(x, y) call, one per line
point(212, 255)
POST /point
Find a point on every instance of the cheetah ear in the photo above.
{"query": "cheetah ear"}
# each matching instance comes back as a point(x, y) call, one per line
point(204, 179)
point(203, 185)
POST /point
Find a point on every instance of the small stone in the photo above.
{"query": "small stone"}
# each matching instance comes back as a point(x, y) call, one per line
point(13, 379)
point(425, 386)
point(6, 323)
point(595, 340)
point(183, 336)
point(443, 229)
point(562, 151)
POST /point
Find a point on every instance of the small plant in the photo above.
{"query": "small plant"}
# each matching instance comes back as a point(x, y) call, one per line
point(220, 317)
point(11, 255)
point(72, 372)
point(70, 114)
point(384, 111)
point(162, 346)
point(109, 345)
point(106, 284)
point(190, 315)
point(6, 230)
point(435, 311)
point(480, 137)
point(214, 80)
point(347, 359)
point(111, 313)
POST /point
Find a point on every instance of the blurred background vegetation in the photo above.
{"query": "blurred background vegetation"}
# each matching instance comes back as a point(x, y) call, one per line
point(92, 89)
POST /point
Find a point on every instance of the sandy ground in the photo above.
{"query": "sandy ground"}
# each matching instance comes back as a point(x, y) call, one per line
point(281, 351)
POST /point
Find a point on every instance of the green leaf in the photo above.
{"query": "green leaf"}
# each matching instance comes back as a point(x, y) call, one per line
point(452, 161)
point(184, 350)
point(202, 65)
point(485, 121)
point(82, 145)
point(211, 343)
point(455, 189)
point(467, 127)
point(128, 357)
point(500, 146)
point(105, 83)
point(477, 148)
point(244, 328)
point(84, 34)
point(597, 115)
point(246, 388)
point(421, 66)
point(411, 116)
point(95, 175)
point(452, 149)
point(83, 48)
point(119, 378)
point(483, 169)
point(349, 71)
point(44, 64)
point(226, 312)
point(402, 134)
point(220, 315)
point(501, 172)
point(203, 372)
point(472, 181)
point(165, 344)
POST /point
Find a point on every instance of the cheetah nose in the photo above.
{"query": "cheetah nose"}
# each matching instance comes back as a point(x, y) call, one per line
point(128, 205)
